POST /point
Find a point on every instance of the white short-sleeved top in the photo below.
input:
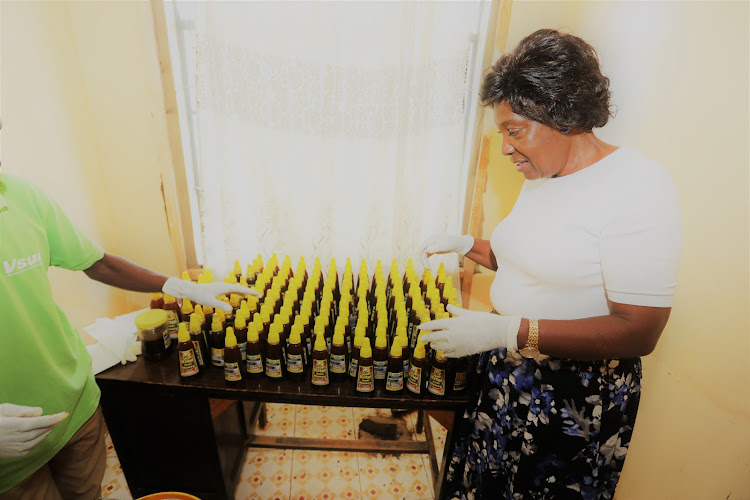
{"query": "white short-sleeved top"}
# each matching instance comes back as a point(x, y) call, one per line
point(609, 231)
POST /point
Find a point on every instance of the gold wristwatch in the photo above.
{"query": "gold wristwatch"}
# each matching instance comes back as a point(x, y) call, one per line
point(531, 349)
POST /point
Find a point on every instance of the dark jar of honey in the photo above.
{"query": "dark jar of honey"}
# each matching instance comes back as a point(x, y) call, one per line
point(153, 333)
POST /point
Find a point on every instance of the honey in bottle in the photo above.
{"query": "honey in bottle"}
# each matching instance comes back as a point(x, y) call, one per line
point(185, 353)
point(337, 365)
point(359, 338)
point(295, 365)
point(365, 375)
point(438, 375)
point(394, 379)
point(240, 332)
point(233, 364)
point(238, 271)
point(187, 309)
point(417, 370)
point(217, 342)
point(199, 341)
point(274, 354)
point(380, 356)
point(157, 301)
point(458, 374)
point(405, 351)
point(174, 316)
point(253, 357)
point(319, 375)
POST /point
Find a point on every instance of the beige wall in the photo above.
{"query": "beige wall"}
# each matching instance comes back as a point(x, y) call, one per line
point(83, 118)
point(679, 74)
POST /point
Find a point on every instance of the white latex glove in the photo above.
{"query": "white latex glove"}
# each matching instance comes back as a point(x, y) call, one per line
point(470, 332)
point(205, 293)
point(444, 243)
point(23, 427)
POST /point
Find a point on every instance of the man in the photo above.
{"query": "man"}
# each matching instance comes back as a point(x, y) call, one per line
point(44, 365)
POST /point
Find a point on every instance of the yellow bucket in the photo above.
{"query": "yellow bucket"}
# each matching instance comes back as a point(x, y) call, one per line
point(169, 495)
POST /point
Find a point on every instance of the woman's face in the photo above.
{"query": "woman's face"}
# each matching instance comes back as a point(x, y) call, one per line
point(537, 150)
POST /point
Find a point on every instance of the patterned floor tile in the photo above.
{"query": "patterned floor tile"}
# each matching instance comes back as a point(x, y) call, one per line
point(324, 422)
point(325, 475)
point(114, 485)
point(280, 420)
point(266, 474)
point(400, 477)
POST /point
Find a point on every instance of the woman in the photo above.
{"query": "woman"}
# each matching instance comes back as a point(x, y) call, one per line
point(586, 269)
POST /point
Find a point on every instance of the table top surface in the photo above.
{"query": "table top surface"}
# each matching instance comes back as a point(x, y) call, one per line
point(164, 374)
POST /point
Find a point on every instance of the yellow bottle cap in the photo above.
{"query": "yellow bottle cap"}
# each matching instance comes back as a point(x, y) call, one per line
point(151, 319)
point(222, 316)
point(338, 336)
point(320, 343)
point(359, 331)
point(294, 337)
point(186, 276)
point(207, 274)
point(182, 333)
point(381, 341)
point(239, 321)
point(419, 350)
point(198, 310)
point(230, 340)
point(237, 268)
point(195, 324)
point(156, 295)
point(396, 350)
point(404, 341)
point(168, 299)
point(216, 325)
point(234, 299)
point(252, 332)
point(365, 351)
point(187, 306)
point(273, 333)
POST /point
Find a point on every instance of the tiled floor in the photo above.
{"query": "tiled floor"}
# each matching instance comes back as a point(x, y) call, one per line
point(325, 475)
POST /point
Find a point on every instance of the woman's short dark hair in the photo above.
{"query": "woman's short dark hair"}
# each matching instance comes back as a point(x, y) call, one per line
point(552, 78)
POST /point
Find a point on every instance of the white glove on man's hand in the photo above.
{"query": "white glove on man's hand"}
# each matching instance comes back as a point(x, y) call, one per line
point(23, 427)
point(444, 243)
point(205, 293)
point(470, 332)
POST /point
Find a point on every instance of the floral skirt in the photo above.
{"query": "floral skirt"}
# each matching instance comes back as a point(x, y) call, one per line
point(547, 428)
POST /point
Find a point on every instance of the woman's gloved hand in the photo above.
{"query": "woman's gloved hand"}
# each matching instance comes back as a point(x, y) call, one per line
point(24, 427)
point(470, 332)
point(444, 243)
point(205, 293)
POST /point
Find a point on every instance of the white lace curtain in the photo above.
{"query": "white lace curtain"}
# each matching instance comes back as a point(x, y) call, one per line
point(330, 129)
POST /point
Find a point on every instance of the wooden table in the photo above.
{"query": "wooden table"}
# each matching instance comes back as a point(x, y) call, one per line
point(168, 439)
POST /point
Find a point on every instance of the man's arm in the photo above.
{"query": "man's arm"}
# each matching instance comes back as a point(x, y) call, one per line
point(121, 273)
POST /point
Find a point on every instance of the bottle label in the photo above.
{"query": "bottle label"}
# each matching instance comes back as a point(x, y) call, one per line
point(254, 363)
point(394, 381)
point(353, 368)
point(320, 372)
point(459, 384)
point(243, 350)
point(437, 382)
point(217, 356)
point(198, 353)
point(414, 383)
point(380, 368)
point(294, 363)
point(167, 339)
point(406, 368)
point(365, 381)
point(273, 368)
point(413, 335)
point(338, 363)
point(188, 365)
point(173, 323)
point(232, 372)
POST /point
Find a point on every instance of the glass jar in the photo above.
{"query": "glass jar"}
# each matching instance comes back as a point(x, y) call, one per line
point(153, 333)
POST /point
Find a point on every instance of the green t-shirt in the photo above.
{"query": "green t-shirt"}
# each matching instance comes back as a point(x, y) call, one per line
point(43, 360)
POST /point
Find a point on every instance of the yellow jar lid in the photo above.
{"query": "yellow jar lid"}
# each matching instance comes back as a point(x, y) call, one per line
point(150, 319)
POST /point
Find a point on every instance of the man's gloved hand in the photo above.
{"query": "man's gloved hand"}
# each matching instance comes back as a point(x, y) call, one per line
point(470, 332)
point(205, 294)
point(444, 243)
point(23, 427)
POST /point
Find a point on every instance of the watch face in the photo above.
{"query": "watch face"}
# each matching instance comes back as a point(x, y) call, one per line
point(529, 352)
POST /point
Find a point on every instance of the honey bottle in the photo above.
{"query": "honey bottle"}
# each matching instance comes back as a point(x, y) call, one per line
point(438, 375)
point(238, 272)
point(274, 354)
point(234, 366)
point(300, 330)
point(199, 341)
point(319, 375)
point(337, 364)
point(365, 375)
point(295, 366)
point(240, 332)
point(174, 317)
point(217, 342)
point(187, 309)
point(253, 354)
point(380, 356)
point(185, 353)
point(157, 301)
point(394, 381)
point(359, 338)
point(417, 370)
point(405, 350)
